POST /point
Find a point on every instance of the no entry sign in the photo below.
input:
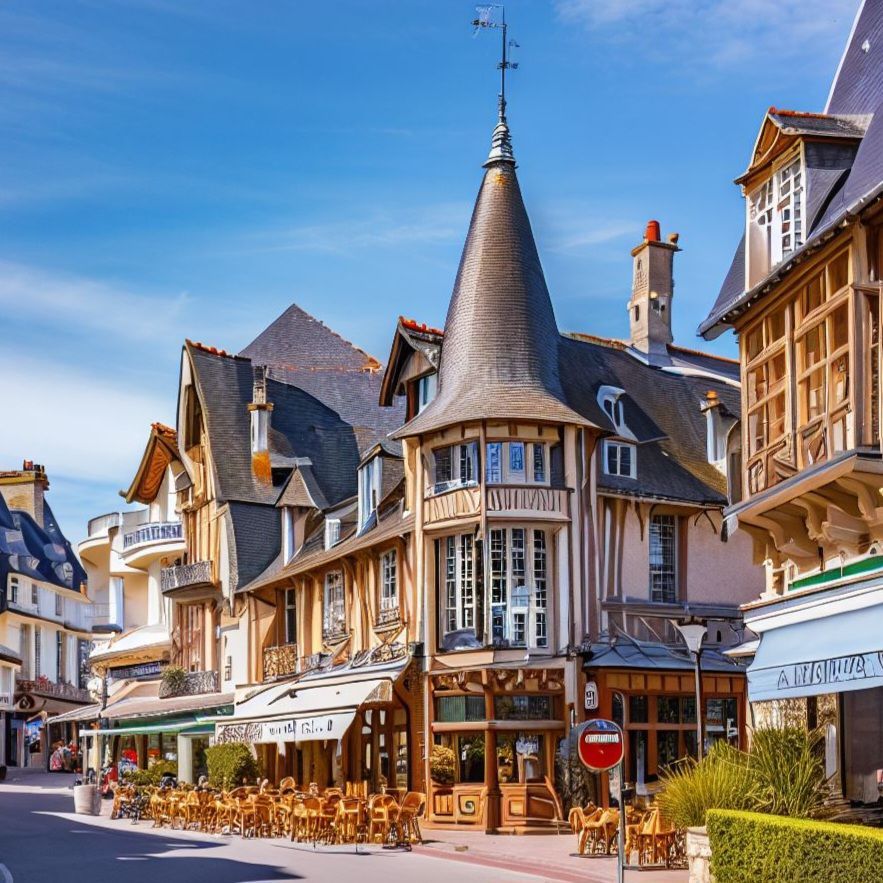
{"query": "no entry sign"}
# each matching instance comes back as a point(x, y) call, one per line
point(600, 745)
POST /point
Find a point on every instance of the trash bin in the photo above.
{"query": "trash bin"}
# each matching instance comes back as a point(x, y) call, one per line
point(86, 800)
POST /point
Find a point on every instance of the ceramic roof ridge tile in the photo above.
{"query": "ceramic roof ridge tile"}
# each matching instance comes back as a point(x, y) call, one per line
point(414, 325)
point(213, 350)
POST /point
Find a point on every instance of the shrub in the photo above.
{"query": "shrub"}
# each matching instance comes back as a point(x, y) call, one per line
point(749, 847)
point(721, 780)
point(231, 764)
point(173, 680)
point(153, 775)
point(787, 763)
point(441, 764)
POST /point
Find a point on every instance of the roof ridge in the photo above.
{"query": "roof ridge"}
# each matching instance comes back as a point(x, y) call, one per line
point(414, 325)
point(586, 337)
point(705, 355)
point(212, 350)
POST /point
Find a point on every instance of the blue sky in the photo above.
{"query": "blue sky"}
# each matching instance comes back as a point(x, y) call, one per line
point(188, 168)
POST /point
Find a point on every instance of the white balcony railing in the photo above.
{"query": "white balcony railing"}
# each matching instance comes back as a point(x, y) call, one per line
point(153, 532)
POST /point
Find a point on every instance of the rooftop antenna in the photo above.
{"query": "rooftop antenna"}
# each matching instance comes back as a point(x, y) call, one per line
point(494, 16)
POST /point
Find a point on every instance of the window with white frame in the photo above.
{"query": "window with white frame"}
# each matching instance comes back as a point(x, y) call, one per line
point(458, 571)
point(370, 477)
point(517, 462)
point(663, 559)
point(775, 219)
point(59, 604)
point(389, 581)
point(13, 590)
point(426, 389)
point(620, 459)
point(332, 532)
point(519, 586)
point(455, 466)
point(334, 620)
point(35, 595)
point(288, 540)
point(290, 616)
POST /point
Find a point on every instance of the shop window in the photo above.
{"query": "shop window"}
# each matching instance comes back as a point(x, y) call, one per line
point(688, 710)
point(455, 466)
point(637, 760)
point(523, 707)
point(638, 710)
point(519, 586)
point(520, 757)
point(470, 756)
point(389, 586)
point(668, 709)
point(459, 582)
point(460, 709)
point(618, 709)
point(667, 748)
point(663, 559)
point(334, 620)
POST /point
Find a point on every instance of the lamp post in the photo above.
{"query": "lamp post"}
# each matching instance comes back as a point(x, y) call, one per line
point(693, 632)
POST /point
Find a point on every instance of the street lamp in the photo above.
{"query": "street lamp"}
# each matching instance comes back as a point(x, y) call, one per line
point(693, 631)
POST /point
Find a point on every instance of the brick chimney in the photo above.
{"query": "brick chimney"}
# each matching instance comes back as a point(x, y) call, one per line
point(24, 488)
point(652, 290)
point(260, 410)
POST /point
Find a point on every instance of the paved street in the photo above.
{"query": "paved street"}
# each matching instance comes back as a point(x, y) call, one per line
point(41, 839)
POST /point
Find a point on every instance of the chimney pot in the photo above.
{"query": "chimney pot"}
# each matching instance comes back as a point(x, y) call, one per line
point(652, 233)
point(673, 238)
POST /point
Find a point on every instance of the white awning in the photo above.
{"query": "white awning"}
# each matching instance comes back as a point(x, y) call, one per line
point(303, 711)
point(832, 654)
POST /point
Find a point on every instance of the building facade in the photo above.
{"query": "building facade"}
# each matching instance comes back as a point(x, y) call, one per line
point(803, 296)
point(45, 622)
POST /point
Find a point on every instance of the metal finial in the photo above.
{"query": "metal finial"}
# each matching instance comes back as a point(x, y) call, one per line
point(501, 140)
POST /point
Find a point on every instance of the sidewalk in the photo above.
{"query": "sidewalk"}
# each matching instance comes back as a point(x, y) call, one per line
point(30, 779)
point(552, 856)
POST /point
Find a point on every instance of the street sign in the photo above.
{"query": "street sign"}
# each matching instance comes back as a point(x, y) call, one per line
point(600, 745)
point(591, 699)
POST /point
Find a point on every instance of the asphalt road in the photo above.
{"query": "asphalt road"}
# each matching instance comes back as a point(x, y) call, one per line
point(40, 841)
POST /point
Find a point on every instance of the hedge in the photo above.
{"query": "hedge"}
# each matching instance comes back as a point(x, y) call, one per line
point(749, 847)
point(230, 765)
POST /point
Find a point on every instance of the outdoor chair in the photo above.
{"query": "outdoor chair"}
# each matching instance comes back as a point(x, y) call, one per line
point(409, 814)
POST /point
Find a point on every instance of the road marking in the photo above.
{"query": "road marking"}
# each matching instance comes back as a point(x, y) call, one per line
point(4, 872)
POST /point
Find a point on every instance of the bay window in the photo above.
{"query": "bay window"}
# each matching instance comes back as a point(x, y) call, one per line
point(459, 581)
point(370, 476)
point(517, 462)
point(334, 611)
point(455, 466)
point(518, 586)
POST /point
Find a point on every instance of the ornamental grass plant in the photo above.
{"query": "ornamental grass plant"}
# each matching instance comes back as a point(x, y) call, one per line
point(783, 774)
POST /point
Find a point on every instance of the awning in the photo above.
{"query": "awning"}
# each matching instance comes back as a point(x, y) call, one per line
point(832, 654)
point(84, 713)
point(185, 728)
point(303, 711)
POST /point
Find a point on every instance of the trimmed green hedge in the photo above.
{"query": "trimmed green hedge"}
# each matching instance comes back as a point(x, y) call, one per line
point(230, 765)
point(749, 847)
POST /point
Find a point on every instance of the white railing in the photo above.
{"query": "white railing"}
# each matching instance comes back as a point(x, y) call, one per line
point(101, 524)
point(153, 532)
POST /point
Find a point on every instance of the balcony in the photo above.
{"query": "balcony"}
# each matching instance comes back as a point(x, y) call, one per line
point(151, 541)
point(44, 687)
point(189, 582)
point(451, 505)
point(104, 618)
point(389, 615)
point(280, 661)
point(527, 501)
point(193, 683)
point(97, 542)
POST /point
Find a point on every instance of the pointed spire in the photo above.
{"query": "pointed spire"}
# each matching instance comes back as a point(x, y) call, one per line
point(501, 140)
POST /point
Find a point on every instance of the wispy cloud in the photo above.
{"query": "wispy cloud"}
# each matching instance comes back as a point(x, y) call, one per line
point(721, 32)
point(28, 293)
point(78, 424)
point(386, 229)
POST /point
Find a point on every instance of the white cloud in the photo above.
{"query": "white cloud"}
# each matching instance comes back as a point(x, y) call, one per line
point(724, 32)
point(388, 229)
point(74, 301)
point(87, 427)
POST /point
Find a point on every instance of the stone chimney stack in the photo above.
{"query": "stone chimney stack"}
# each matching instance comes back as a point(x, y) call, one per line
point(260, 409)
point(652, 290)
point(24, 488)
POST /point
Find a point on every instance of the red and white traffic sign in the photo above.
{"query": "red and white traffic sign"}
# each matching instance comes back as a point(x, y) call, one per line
point(600, 745)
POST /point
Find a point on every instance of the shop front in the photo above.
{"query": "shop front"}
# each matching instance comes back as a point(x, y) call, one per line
point(353, 725)
point(495, 734)
point(650, 691)
point(821, 665)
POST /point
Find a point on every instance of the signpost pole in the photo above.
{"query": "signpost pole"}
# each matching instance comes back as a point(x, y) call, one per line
point(620, 853)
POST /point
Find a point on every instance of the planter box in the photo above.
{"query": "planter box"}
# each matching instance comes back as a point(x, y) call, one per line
point(86, 800)
point(699, 855)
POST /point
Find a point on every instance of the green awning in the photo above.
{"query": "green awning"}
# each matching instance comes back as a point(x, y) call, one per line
point(185, 728)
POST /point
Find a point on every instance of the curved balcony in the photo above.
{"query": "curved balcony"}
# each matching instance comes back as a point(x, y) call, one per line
point(97, 542)
point(189, 582)
point(527, 501)
point(450, 506)
point(150, 541)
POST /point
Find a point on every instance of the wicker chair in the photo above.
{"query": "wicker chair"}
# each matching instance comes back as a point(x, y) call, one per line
point(382, 811)
point(409, 814)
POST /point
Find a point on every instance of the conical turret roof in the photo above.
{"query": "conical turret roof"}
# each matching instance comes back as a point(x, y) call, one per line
point(499, 358)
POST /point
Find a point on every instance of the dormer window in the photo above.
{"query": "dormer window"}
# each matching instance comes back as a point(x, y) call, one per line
point(287, 534)
point(332, 532)
point(426, 389)
point(370, 477)
point(620, 459)
point(610, 400)
point(775, 220)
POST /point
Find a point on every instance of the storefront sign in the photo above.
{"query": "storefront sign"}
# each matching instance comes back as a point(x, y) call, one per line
point(302, 729)
point(591, 696)
point(823, 672)
point(600, 745)
point(142, 670)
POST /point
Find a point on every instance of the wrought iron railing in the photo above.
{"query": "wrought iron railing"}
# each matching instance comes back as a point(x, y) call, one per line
point(184, 575)
point(194, 683)
point(44, 687)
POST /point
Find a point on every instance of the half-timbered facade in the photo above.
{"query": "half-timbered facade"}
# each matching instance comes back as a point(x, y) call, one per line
point(803, 296)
